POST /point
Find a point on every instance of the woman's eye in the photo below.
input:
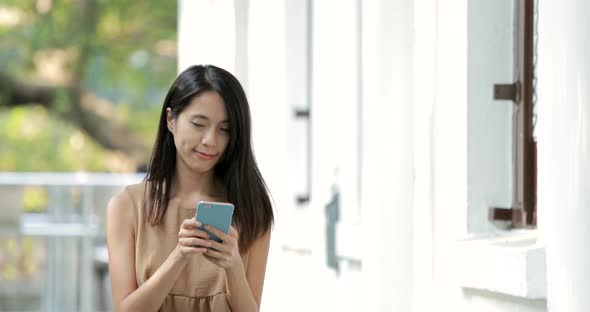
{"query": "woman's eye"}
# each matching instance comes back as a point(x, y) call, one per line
point(226, 130)
point(198, 125)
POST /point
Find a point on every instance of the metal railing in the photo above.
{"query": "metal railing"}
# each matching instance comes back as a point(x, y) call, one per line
point(70, 225)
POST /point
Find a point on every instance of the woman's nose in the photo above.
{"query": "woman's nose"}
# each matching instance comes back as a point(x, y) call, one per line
point(210, 139)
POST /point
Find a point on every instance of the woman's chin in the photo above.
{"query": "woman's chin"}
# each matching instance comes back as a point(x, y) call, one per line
point(200, 168)
point(197, 165)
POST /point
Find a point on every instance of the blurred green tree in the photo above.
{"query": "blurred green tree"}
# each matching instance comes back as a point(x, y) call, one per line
point(89, 73)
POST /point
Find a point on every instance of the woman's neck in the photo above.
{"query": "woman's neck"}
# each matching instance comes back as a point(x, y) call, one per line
point(187, 183)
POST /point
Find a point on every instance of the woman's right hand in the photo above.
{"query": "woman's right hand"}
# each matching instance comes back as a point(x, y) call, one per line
point(192, 240)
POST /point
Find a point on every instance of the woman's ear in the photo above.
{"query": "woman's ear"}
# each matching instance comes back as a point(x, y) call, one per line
point(170, 120)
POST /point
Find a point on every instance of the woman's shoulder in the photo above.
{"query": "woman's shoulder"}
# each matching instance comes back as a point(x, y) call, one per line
point(135, 191)
point(126, 201)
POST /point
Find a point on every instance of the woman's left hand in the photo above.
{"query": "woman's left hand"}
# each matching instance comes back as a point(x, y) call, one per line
point(225, 254)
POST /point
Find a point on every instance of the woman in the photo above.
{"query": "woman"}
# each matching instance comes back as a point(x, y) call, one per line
point(158, 259)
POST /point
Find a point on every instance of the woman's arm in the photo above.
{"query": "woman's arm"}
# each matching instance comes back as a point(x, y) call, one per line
point(121, 246)
point(255, 272)
point(244, 285)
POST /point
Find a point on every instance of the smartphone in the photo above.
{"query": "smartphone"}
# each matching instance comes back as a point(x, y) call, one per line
point(215, 214)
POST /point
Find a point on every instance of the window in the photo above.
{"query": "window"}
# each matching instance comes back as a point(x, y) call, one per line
point(298, 34)
point(523, 213)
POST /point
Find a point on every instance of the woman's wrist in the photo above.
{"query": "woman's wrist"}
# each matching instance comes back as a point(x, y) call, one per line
point(178, 257)
point(235, 270)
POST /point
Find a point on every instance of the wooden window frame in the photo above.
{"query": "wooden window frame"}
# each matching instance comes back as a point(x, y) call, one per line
point(523, 213)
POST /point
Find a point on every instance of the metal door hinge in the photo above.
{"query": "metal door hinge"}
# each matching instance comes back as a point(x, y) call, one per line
point(517, 216)
point(302, 113)
point(507, 92)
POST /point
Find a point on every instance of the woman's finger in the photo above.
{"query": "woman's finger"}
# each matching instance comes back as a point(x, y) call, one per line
point(193, 233)
point(193, 250)
point(195, 242)
point(219, 233)
point(216, 261)
point(215, 254)
point(221, 247)
point(190, 223)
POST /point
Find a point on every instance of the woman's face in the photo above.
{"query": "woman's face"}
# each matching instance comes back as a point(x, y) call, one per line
point(201, 131)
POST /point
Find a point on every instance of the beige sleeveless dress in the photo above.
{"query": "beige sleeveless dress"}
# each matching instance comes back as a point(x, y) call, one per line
point(201, 285)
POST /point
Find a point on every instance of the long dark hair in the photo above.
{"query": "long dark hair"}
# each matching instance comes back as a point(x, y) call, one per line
point(237, 168)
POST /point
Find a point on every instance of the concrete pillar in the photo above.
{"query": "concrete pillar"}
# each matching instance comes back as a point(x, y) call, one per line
point(563, 130)
point(387, 160)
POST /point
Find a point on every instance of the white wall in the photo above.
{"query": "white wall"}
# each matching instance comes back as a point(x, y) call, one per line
point(434, 145)
point(387, 189)
point(564, 150)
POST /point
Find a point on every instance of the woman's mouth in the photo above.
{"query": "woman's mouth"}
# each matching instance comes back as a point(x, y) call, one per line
point(205, 156)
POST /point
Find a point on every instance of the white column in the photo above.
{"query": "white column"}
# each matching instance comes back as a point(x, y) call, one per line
point(387, 176)
point(241, 15)
point(266, 93)
point(334, 116)
point(449, 147)
point(207, 34)
point(424, 93)
point(563, 131)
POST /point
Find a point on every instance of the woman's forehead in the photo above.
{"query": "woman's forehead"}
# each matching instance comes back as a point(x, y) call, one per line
point(207, 105)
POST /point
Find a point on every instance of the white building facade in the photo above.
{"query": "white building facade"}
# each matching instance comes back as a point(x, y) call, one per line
point(389, 104)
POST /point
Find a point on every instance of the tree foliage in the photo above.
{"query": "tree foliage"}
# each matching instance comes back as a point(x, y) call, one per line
point(82, 82)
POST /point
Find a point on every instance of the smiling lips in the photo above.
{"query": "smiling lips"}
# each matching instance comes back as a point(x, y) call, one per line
point(205, 156)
